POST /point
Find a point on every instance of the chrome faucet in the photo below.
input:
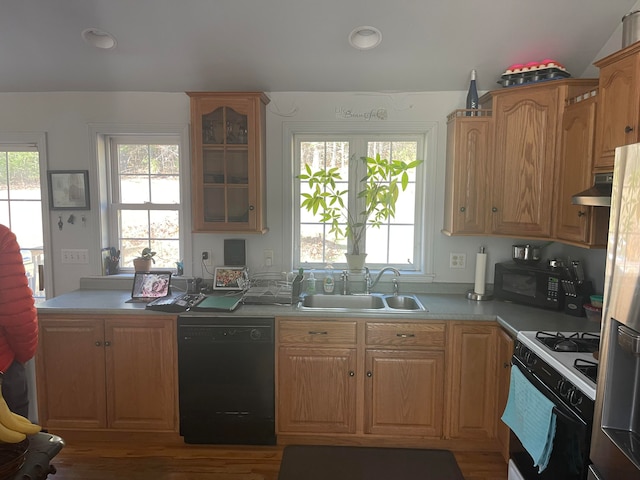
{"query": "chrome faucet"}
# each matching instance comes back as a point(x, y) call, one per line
point(369, 283)
point(344, 276)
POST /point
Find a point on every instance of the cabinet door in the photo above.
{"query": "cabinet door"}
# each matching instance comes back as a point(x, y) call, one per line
point(572, 222)
point(404, 392)
point(505, 352)
point(70, 373)
point(472, 392)
point(228, 162)
point(467, 175)
point(141, 373)
point(526, 124)
point(316, 390)
point(618, 112)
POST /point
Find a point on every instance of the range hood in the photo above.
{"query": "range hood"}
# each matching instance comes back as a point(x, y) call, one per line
point(597, 196)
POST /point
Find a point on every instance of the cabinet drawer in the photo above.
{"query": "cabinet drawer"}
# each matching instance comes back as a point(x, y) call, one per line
point(404, 333)
point(317, 332)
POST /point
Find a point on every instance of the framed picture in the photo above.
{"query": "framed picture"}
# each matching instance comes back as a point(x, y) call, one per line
point(230, 278)
point(68, 189)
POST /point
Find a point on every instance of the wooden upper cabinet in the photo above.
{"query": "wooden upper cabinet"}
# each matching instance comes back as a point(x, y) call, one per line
point(467, 173)
point(581, 224)
point(526, 132)
point(228, 161)
point(618, 121)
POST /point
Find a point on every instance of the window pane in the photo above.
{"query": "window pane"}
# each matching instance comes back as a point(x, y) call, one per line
point(406, 206)
point(4, 180)
point(377, 244)
point(167, 253)
point(165, 159)
point(133, 159)
point(165, 224)
point(29, 233)
point(402, 239)
point(134, 224)
point(134, 189)
point(165, 189)
point(24, 175)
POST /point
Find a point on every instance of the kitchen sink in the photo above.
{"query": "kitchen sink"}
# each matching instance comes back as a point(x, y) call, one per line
point(375, 302)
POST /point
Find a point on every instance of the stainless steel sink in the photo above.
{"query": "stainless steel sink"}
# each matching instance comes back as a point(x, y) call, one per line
point(376, 302)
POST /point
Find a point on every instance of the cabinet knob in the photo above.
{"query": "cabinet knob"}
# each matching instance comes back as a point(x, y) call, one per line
point(628, 129)
point(581, 213)
point(506, 365)
point(107, 344)
point(463, 209)
point(494, 209)
point(98, 343)
point(369, 374)
point(251, 207)
point(351, 373)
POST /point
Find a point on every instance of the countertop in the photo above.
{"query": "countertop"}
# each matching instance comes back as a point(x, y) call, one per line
point(511, 316)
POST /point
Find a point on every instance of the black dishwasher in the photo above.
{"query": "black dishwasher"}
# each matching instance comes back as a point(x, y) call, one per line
point(226, 380)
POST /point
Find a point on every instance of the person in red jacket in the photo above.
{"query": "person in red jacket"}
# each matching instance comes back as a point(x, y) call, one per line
point(18, 323)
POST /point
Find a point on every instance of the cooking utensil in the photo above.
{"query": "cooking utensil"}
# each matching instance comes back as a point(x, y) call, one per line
point(525, 253)
point(578, 272)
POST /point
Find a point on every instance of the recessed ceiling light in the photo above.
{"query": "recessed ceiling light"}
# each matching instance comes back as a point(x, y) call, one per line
point(365, 38)
point(99, 38)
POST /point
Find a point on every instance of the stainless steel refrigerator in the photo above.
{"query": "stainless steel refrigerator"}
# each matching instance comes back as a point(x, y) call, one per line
point(615, 444)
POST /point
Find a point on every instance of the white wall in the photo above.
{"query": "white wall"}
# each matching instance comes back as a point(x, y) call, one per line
point(65, 118)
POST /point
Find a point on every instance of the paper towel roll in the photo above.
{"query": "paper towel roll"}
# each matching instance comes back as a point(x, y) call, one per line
point(481, 268)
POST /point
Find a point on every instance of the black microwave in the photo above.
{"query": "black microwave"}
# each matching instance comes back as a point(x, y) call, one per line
point(534, 285)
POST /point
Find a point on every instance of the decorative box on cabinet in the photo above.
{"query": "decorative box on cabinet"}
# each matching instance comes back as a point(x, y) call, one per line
point(579, 224)
point(228, 161)
point(116, 373)
point(618, 119)
point(468, 174)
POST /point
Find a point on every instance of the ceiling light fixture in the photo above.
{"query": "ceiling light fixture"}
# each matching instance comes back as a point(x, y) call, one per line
point(99, 38)
point(365, 38)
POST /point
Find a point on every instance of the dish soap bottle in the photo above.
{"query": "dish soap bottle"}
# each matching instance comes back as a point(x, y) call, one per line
point(329, 284)
point(311, 283)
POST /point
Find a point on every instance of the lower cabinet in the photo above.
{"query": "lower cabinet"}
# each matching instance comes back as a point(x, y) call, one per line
point(363, 380)
point(505, 352)
point(116, 372)
point(472, 389)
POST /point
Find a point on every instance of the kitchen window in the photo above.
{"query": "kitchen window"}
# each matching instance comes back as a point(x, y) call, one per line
point(397, 242)
point(144, 190)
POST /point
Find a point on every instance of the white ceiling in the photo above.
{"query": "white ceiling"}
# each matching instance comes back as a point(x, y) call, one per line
point(293, 45)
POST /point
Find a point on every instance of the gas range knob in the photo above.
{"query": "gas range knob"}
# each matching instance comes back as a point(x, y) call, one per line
point(529, 359)
point(255, 334)
point(563, 387)
point(575, 397)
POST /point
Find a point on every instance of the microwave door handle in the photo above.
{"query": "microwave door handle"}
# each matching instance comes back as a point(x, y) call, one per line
point(569, 418)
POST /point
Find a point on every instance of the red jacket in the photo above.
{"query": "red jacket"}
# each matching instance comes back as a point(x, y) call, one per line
point(18, 315)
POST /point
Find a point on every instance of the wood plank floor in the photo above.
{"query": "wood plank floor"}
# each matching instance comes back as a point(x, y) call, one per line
point(118, 460)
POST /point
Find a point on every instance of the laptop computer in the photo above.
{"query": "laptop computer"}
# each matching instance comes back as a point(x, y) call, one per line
point(148, 286)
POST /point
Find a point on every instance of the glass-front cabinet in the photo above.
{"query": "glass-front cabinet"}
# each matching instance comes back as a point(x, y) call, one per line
point(228, 161)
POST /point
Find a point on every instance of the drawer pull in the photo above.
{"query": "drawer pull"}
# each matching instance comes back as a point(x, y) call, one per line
point(369, 374)
point(313, 332)
point(405, 335)
point(352, 373)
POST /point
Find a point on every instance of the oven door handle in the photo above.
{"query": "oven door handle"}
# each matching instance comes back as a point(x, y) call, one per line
point(566, 417)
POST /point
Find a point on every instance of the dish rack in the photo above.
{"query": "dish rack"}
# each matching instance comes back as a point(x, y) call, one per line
point(268, 289)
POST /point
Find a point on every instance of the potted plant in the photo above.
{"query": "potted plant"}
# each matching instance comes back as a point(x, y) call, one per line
point(143, 262)
point(378, 192)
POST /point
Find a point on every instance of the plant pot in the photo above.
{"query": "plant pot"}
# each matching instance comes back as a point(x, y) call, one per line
point(142, 264)
point(356, 262)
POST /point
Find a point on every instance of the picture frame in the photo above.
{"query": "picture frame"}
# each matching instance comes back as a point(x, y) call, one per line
point(230, 278)
point(68, 189)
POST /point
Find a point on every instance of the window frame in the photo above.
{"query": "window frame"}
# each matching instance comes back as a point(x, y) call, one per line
point(425, 181)
point(101, 136)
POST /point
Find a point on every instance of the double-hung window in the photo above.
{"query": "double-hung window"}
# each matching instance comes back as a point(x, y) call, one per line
point(144, 208)
point(397, 241)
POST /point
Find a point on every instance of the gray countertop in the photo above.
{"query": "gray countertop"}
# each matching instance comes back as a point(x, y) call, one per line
point(511, 316)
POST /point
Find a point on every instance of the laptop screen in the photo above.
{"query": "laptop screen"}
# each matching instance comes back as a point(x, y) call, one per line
point(151, 285)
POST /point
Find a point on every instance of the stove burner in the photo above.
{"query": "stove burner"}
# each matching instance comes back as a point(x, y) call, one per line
point(588, 368)
point(576, 342)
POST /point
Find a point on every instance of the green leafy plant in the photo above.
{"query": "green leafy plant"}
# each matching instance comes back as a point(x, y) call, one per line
point(147, 254)
point(378, 192)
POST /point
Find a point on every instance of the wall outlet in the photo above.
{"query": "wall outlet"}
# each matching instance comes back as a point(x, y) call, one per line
point(75, 255)
point(457, 260)
point(268, 258)
point(207, 258)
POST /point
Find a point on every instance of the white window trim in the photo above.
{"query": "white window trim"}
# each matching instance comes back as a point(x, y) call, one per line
point(99, 174)
point(425, 185)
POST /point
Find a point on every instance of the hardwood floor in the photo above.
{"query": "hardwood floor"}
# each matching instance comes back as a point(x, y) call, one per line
point(130, 461)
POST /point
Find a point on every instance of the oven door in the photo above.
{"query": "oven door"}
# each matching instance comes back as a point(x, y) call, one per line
point(570, 454)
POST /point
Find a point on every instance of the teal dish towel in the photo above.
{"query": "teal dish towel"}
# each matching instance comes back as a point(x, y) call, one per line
point(529, 414)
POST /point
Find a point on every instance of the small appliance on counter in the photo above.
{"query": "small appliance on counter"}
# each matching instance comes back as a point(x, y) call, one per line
point(530, 284)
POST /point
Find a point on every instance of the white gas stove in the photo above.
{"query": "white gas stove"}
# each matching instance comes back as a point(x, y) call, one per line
point(570, 353)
